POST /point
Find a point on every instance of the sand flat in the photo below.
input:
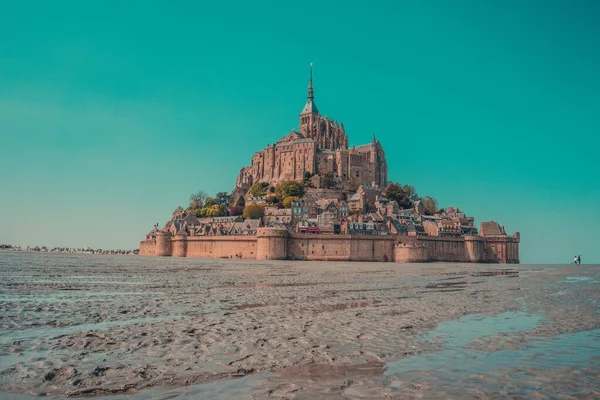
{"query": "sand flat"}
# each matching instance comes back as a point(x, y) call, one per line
point(81, 325)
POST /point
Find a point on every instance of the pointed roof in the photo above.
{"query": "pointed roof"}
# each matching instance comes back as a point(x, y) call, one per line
point(292, 137)
point(191, 219)
point(491, 229)
point(310, 107)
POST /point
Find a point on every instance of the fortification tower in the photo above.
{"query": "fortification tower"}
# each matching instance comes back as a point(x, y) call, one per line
point(179, 244)
point(410, 252)
point(271, 244)
point(474, 247)
point(163, 244)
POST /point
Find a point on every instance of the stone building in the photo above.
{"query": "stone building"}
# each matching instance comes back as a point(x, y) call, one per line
point(328, 222)
point(301, 211)
point(336, 206)
point(444, 227)
point(342, 215)
point(318, 147)
point(277, 216)
point(364, 199)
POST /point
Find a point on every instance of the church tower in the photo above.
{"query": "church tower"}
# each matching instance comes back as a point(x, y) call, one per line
point(309, 115)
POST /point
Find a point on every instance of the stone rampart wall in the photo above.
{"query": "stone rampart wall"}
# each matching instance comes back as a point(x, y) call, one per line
point(221, 246)
point(277, 243)
point(436, 248)
point(147, 247)
point(502, 250)
point(341, 247)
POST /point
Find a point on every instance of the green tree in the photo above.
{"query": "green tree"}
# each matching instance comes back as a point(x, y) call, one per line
point(216, 210)
point(306, 179)
point(222, 198)
point(430, 205)
point(411, 193)
point(253, 211)
point(289, 188)
point(177, 212)
point(259, 189)
point(328, 180)
point(287, 202)
point(197, 199)
point(200, 212)
point(273, 201)
point(210, 201)
point(405, 195)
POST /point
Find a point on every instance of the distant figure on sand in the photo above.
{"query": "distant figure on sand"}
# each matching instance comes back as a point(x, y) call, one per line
point(579, 260)
point(575, 260)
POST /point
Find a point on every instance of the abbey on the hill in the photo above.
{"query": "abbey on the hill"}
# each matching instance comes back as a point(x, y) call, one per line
point(318, 148)
point(311, 197)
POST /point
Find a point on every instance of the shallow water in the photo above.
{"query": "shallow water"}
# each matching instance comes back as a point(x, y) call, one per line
point(460, 362)
point(238, 330)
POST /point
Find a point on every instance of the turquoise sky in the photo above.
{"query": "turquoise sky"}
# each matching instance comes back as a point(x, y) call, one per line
point(113, 112)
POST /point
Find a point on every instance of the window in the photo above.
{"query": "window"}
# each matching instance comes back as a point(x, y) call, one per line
point(357, 174)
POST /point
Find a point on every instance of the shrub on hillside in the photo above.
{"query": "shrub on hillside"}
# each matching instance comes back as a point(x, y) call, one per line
point(287, 202)
point(259, 189)
point(253, 211)
point(289, 188)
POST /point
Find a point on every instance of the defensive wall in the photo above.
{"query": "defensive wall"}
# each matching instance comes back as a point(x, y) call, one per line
point(200, 246)
point(280, 244)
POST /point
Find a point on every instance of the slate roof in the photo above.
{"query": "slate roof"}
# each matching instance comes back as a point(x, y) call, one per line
point(376, 217)
point(310, 107)
point(398, 226)
point(248, 227)
point(231, 218)
point(363, 147)
point(191, 220)
point(491, 229)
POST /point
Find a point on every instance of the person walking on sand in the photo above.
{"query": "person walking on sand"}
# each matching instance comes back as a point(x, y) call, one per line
point(579, 260)
point(575, 260)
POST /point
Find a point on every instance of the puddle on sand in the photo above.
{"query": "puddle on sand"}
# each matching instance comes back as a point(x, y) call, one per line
point(496, 272)
point(577, 279)
point(324, 372)
point(238, 388)
point(456, 334)
point(525, 273)
point(234, 389)
point(455, 365)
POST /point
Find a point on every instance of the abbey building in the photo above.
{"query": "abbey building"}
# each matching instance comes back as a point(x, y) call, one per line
point(319, 147)
point(341, 210)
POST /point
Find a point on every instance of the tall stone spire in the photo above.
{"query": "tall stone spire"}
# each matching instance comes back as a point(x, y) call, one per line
point(310, 107)
point(311, 94)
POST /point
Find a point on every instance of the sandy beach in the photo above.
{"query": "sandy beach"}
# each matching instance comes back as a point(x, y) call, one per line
point(81, 325)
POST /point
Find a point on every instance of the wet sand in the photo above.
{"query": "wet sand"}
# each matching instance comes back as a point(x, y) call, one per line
point(80, 325)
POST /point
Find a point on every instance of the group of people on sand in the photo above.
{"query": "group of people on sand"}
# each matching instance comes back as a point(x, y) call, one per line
point(577, 260)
